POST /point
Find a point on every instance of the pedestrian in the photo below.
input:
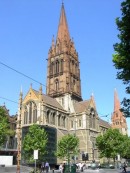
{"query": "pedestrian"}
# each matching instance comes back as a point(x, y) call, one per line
point(47, 166)
point(99, 165)
point(61, 168)
point(120, 166)
point(42, 167)
point(124, 167)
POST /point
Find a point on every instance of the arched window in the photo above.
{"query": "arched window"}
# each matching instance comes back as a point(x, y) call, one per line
point(56, 84)
point(76, 69)
point(47, 116)
point(25, 115)
point(53, 118)
point(57, 66)
point(64, 121)
point(51, 68)
point(70, 64)
point(35, 114)
point(73, 67)
point(61, 66)
point(59, 121)
point(30, 112)
point(79, 123)
point(92, 119)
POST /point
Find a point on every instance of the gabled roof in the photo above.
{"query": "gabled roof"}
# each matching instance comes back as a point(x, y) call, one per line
point(51, 101)
point(104, 123)
point(81, 106)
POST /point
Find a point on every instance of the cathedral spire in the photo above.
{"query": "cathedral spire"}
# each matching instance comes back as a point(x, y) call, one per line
point(63, 31)
point(116, 101)
point(63, 76)
point(117, 118)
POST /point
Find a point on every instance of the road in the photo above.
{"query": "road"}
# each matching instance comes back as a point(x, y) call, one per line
point(25, 169)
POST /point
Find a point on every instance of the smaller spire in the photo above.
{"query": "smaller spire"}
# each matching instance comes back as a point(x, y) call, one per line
point(31, 86)
point(93, 100)
point(21, 90)
point(53, 42)
point(116, 101)
point(40, 89)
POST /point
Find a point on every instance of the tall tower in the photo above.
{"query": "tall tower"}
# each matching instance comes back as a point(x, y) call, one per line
point(118, 120)
point(63, 76)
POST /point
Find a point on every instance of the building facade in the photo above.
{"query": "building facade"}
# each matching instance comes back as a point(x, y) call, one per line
point(62, 110)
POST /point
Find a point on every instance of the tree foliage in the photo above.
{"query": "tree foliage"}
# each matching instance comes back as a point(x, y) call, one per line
point(4, 126)
point(67, 146)
point(121, 58)
point(112, 143)
point(126, 147)
point(35, 139)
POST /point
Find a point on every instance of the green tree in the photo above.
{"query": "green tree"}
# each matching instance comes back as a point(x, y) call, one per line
point(126, 147)
point(121, 58)
point(4, 127)
point(110, 143)
point(67, 147)
point(35, 139)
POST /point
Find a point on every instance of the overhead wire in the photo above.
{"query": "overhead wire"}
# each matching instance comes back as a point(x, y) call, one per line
point(7, 66)
point(21, 73)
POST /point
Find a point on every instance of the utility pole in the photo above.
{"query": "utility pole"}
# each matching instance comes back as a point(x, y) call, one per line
point(19, 135)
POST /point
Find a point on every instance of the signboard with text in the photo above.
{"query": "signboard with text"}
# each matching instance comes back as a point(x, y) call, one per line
point(35, 154)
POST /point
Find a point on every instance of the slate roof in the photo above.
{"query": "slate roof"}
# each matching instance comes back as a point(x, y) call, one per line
point(49, 100)
point(81, 106)
point(104, 123)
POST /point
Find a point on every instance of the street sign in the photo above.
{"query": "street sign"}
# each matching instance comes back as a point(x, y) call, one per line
point(35, 154)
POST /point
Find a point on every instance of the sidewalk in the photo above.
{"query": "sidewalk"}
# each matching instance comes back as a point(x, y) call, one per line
point(12, 169)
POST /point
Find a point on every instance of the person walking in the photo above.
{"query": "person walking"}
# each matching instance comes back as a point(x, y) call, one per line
point(124, 167)
point(42, 167)
point(61, 168)
point(47, 166)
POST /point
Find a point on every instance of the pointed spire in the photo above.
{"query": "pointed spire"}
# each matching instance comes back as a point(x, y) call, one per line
point(93, 100)
point(116, 101)
point(53, 42)
point(40, 89)
point(31, 86)
point(21, 93)
point(63, 31)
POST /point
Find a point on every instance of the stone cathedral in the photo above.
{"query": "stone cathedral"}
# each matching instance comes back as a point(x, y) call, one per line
point(62, 110)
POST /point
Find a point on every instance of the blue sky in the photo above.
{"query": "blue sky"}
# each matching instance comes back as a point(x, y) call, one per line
point(26, 30)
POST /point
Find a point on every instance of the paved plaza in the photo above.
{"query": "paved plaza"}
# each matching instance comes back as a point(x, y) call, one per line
point(25, 169)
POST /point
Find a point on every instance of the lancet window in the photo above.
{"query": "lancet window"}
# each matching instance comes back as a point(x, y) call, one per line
point(56, 84)
point(30, 113)
point(48, 116)
point(92, 119)
point(57, 66)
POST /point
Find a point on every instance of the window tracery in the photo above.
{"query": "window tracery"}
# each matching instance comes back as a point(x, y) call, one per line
point(30, 113)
